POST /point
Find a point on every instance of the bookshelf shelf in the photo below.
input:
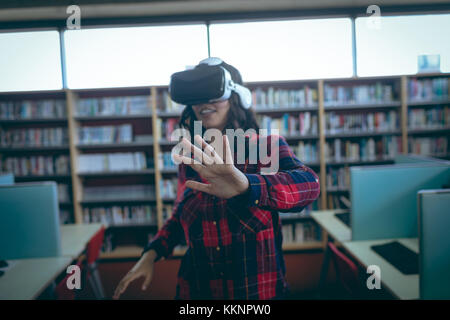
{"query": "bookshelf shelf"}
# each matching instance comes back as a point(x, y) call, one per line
point(301, 137)
point(167, 114)
point(123, 252)
point(169, 171)
point(337, 190)
point(268, 110)
point(308, 245)
point(42, 178)
point(133, 225)
point(33, 149)
point(116, 173)
point(336, 107)
point(289, 216)
point(113, 117)
point(441, 130)
point(361, 134)
point(424, 103)
point(99, 202)
point(17, 122)
point(130, 145)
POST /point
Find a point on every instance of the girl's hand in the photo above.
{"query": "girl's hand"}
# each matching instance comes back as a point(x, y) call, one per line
point(143, 268)
point(225, 180)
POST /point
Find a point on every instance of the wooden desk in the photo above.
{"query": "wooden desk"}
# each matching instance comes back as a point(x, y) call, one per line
point(400, 285)
point(334, 227)
point(75, 237)
point(29, 277)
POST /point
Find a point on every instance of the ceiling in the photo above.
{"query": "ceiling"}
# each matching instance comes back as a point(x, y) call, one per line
point(35, 10)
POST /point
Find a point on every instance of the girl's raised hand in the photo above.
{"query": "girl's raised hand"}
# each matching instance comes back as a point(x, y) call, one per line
point(224, 179)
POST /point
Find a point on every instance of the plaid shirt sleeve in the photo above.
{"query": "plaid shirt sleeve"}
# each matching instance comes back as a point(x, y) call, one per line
point(171, 234)
point(292, 188)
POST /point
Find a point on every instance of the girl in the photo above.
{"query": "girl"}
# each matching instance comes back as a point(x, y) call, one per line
point(228, 212)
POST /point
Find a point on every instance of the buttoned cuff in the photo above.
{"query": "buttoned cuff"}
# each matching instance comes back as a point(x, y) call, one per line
point(257, 193)
point(157, 246)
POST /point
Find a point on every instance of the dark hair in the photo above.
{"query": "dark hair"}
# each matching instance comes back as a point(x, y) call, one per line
point(238, 116)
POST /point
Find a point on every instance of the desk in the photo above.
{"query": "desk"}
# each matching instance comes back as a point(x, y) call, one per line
point(75, 237)
point(29, 277)
point(400, 285)
point(334, 227)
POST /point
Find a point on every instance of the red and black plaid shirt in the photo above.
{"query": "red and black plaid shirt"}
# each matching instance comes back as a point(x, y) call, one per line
point(234, 245)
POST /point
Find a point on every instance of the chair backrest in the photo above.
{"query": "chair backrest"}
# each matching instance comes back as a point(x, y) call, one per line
point(346, 270)
point(94, 246)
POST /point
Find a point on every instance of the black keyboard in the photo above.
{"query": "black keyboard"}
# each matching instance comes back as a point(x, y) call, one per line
point(402, 258)
point(344, 217)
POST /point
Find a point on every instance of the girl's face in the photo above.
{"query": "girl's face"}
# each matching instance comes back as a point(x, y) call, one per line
point(213, 115)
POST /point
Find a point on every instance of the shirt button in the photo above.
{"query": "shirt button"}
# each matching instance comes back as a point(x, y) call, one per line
point(256, 201)
point(218, 248)
point(214, 222)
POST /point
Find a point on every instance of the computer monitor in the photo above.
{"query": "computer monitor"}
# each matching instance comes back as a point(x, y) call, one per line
point(384, 203)
point(29, 221)
point(434, 243)
point(6, 178)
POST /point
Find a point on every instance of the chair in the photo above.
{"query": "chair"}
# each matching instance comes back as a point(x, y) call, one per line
point(93, 249)
point(346, 271)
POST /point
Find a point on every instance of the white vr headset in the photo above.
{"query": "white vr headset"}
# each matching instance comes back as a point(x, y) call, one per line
point(208, 82)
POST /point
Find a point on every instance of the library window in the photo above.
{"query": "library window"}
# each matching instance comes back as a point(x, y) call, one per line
point(132, 56)
point(391, 46)
point(285, 50)
point(31, 61)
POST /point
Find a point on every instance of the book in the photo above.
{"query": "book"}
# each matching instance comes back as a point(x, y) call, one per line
point(336, 123)
point(428, 146)
point(33, 109)
point(428, 89)
point(36, 165)
point(105, 134)
point(114, 106)
point(34, 137)
point(121, 215)
point(281, 98)
point(112, 162)
point(290, 125)
point(377, 93)
point(430, 118)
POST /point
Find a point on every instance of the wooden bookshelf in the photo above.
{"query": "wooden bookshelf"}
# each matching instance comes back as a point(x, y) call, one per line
point(151, 118)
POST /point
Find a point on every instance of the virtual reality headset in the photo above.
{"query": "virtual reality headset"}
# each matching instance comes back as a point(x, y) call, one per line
point(207, 83)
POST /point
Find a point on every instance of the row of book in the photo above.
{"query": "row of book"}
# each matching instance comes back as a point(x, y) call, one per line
point(338, 178)
point(436, 146)
point(130, 105)
point(303, 124)
point(358, 94)
point(166, 127)
point(65, 217)
point(165, 161)
point(281, 98)
point(119, 193)
point(112, 162)
point(166, 104)
point(33, 109)
point(428, 89)
point(105, 134)
point(168, 188)
point(336, 123)
point(34, 137)
point(301, 232)
point(36, 165)
point(419, 118)
point(334, 201)
point(63, 193)
point(366, 149)
point(121, 215)
point(306, 152)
